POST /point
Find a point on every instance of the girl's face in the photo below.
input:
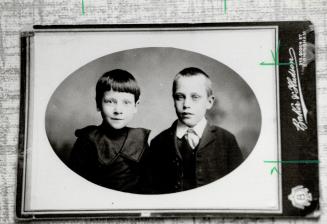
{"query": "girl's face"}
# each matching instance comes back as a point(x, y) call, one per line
point(118, 108)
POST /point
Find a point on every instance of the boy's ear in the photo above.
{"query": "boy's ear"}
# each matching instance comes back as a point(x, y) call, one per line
point(211, 100)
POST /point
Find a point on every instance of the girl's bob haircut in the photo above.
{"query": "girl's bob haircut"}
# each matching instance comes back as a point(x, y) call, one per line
point(117, 80)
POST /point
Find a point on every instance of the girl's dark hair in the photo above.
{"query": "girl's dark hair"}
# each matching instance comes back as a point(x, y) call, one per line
point(116, 80)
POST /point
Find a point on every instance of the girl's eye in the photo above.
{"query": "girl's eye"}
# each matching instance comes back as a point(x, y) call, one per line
point(178, 97)
point(126, 102)
point(110, 101)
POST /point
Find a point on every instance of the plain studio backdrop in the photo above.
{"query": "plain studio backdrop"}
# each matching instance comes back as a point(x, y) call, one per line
point(72, 105)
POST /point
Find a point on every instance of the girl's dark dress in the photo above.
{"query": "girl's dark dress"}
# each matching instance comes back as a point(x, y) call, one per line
point(111, 158)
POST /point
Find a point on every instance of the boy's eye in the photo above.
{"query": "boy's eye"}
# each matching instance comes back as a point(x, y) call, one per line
point(196, 97)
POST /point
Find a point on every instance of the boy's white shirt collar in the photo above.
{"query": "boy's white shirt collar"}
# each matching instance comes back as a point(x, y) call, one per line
point(198, 128)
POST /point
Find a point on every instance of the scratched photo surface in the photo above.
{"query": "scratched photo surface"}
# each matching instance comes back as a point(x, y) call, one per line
point(72, 105)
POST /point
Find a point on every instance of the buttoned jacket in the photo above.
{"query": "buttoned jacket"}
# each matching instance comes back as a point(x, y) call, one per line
point(216, 155)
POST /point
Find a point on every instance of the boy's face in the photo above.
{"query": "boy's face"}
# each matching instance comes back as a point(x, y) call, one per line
point(118, 108)
point(191, 99)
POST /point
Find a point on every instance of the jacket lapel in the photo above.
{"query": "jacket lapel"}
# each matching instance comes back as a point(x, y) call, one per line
point(208, 137)
point(173, 139)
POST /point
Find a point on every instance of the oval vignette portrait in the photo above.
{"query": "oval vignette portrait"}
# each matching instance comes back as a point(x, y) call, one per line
point(83, 134)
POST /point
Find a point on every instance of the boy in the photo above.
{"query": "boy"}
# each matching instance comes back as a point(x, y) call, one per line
point(111, 154)
point(191, 153)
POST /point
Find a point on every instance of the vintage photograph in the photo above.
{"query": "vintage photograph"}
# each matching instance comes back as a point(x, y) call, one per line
point(99, 103)
point(189, 119)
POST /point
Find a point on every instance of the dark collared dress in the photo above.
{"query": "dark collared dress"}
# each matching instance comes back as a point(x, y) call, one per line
point(111, 158)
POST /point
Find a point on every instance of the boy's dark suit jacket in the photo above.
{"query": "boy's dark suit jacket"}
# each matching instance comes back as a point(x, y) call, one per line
point(216, 155)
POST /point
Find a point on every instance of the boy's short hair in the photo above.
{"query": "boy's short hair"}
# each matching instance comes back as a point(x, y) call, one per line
point(192, 71)
point(117, 80)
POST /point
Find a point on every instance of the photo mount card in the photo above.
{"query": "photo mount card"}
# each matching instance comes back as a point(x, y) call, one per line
point(262, 75)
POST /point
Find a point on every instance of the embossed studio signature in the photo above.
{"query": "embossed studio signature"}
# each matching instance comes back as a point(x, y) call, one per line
point(294, 85)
